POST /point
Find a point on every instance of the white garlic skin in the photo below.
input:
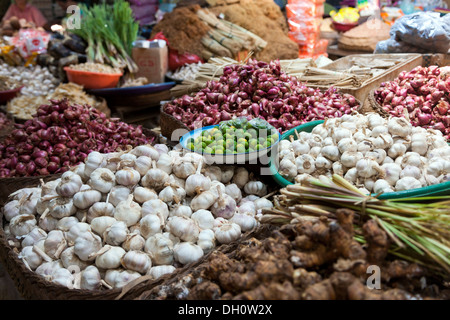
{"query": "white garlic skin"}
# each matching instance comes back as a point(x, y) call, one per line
point(134, 241)
point(87, 244)
point(55, 243)
point(116, 233)
point(160, 249)
point(155, 206)
point(143, 194)
point(69, 259)
point(30, 257)
point(33, 236)
point(102, 179)
point(187, 252)
point(159, 271)
point(100, 224)
point(203, 218)
point(111, 258)
point(76, 230)
point(90, 278)
point(128, 211)
point(69, 184)
point(184, 228)
point(228, 232)
point(150, 225)
point(118, 193)
point(136, 261)
point(11, 209)
point(206, 240)
point(21, 225)
point(63, 277)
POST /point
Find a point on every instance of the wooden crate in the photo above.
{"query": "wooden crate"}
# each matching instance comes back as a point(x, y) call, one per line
point(406, 62)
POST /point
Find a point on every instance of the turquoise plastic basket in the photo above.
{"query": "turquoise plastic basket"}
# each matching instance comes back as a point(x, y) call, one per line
point(441, 189)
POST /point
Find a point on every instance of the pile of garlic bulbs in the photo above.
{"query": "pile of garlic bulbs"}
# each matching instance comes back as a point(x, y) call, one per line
point(123, 215)
point(37, 80)
point(374, 153)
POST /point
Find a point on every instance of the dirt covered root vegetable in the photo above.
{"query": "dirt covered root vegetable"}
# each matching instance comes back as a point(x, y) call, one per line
point(259, 89)
point(333, 266)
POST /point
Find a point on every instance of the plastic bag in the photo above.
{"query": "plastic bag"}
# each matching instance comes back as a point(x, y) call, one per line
point(426, 30)
point(177, 60)
point(394, 46)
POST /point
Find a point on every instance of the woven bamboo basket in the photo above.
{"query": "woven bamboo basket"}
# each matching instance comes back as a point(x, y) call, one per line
point(374, 105)
point(34, 287)
point(169, 125)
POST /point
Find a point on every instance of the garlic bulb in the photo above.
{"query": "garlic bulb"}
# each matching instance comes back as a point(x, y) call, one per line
point(180, 210)
point(109, 257)
point(150, 225)
point(213, 172)
point(118, 193)
point(240, 177)
point(30, 258)
point(63, 277)
point(159, 271)
point(85, 199)
point(155, 178)
point(165, 163)
point(197, 183)
point(225, 206)
point(122, 278)
point(184, 228)
point(247, 207)
point(102, 179)
point(143, 194)
point(62, 207)
point(33, 236)
point(100, 209)
point(172, 195)
point(407, 183)
point(227, 232)
point(55, 243)
point(399, 126)
point(206, 240)
point(86, 245)
point(69, 259)
point(21, 225)
point(287, 169)
point(187, 252)
point(133, 241)
point(90, 279)
point(142, 164)
point(227, 174)
point(203, 200)
point(382, 186)
point(100, 224)
point(155, 206)
point(75, 231)
point(66, 223)
point(69, 184)
point(116, 233)
point(92, 162)
point(128, 211)
point(175, 181)
point(11, 209)
point(183, 169)
point(245, 221)
point(256, 188)
point(47, 223)
point(263, 203)
point(305, 163)
point(128, 177)
point(234, 192)
point(203, 218)
point(160, 249)
point(46, 269)
point(146, 150)
point(136, 261)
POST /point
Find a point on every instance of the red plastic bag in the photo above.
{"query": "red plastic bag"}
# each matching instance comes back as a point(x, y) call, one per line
point(177, 60)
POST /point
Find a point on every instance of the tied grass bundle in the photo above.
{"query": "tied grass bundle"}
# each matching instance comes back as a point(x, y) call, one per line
point(419, 229)
point(110, 31)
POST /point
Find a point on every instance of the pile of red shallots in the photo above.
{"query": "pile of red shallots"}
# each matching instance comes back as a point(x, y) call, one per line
point(422, 94)
point(259, 89)
point(61, 135)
